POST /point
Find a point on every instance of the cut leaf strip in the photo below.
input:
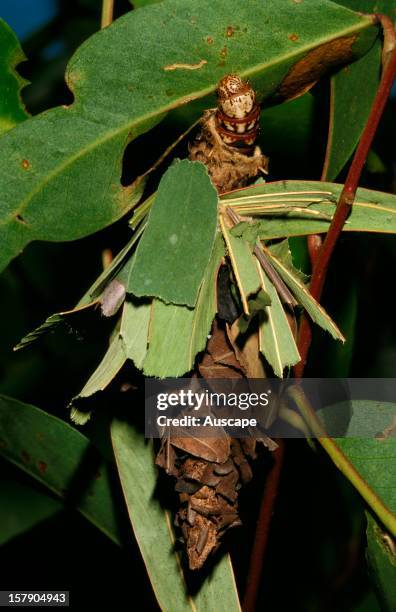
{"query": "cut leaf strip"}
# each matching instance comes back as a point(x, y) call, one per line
point(313, 308)
point(277, 343)
point(177, 333)
point(243, 265)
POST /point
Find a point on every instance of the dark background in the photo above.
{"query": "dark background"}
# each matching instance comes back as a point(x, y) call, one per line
point(316, 554)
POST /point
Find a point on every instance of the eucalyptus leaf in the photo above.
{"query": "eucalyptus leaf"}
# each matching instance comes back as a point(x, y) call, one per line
point(175, 248)
point(277, 343)
point(301, 293)
point(178, 333)
point(61, 458)
point(135, 329)
point(357, 418)
point(372, 211)
point(60, 171)
point(369, 456)
point(369, 444)
point(154, 533)
point(257, 306)
point(353, 91)
point(12, 110)
point(119, 268)
point(22, 507)
point(141, 3)
point(281, 250)
point(52, 322)
point(244, 265)
point(107, 369)
point(381, 560)
point(116, 268)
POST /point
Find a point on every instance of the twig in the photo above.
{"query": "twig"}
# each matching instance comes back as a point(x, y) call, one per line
point(340, 460)
point(263, 529)
point(107, 13)
point(345, 202)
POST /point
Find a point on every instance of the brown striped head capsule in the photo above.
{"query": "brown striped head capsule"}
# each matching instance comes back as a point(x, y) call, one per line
point(237, 116)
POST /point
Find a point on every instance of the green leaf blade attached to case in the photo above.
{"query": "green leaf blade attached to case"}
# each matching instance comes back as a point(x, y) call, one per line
point(175, 248)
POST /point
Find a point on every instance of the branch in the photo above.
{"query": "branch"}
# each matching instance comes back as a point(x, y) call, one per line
point(347, 197)
point(263, 530)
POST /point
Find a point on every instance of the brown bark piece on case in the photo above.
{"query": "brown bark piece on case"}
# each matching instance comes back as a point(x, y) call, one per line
point(193, 469)
point(201, 540)
point(227, 167)
point(210, 449)
point(166, 458)
point(227, 486)
point(240, 460)
point(219, 359)
point(247, 352)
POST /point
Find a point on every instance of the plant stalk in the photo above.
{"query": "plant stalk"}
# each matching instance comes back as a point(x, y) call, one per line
point(263, 529)
point(107, 13)
point(341, 461)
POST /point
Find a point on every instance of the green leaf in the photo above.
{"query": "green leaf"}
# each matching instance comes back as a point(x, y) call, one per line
point(372, 211)
point(140, 3)
point(353, 91)
point(257, 305)
point(357, 418)
point(301, 293)
point(368, 463)
point(60, 171)
point(375, 461)
point(178, 333)
point(381, 560)
point(153, 530)
point(61, 458)
point(52, 322)
point(118, 268)
point(22, 507)
point(336, 358)
point(286, 132)
point(372, 458)
point(12, 110)
point(281, 250)
point(175, 248)
point(135, 329)
point(107, 369)
point(277, 343)
point(244, 265)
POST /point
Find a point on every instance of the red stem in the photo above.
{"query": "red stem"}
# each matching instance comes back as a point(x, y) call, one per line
point(263, 529)
point(345, 202)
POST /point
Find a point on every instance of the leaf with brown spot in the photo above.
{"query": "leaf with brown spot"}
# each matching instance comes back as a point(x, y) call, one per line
point(307, 71)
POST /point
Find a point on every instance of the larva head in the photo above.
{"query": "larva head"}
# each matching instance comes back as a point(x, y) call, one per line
point(236, 97)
